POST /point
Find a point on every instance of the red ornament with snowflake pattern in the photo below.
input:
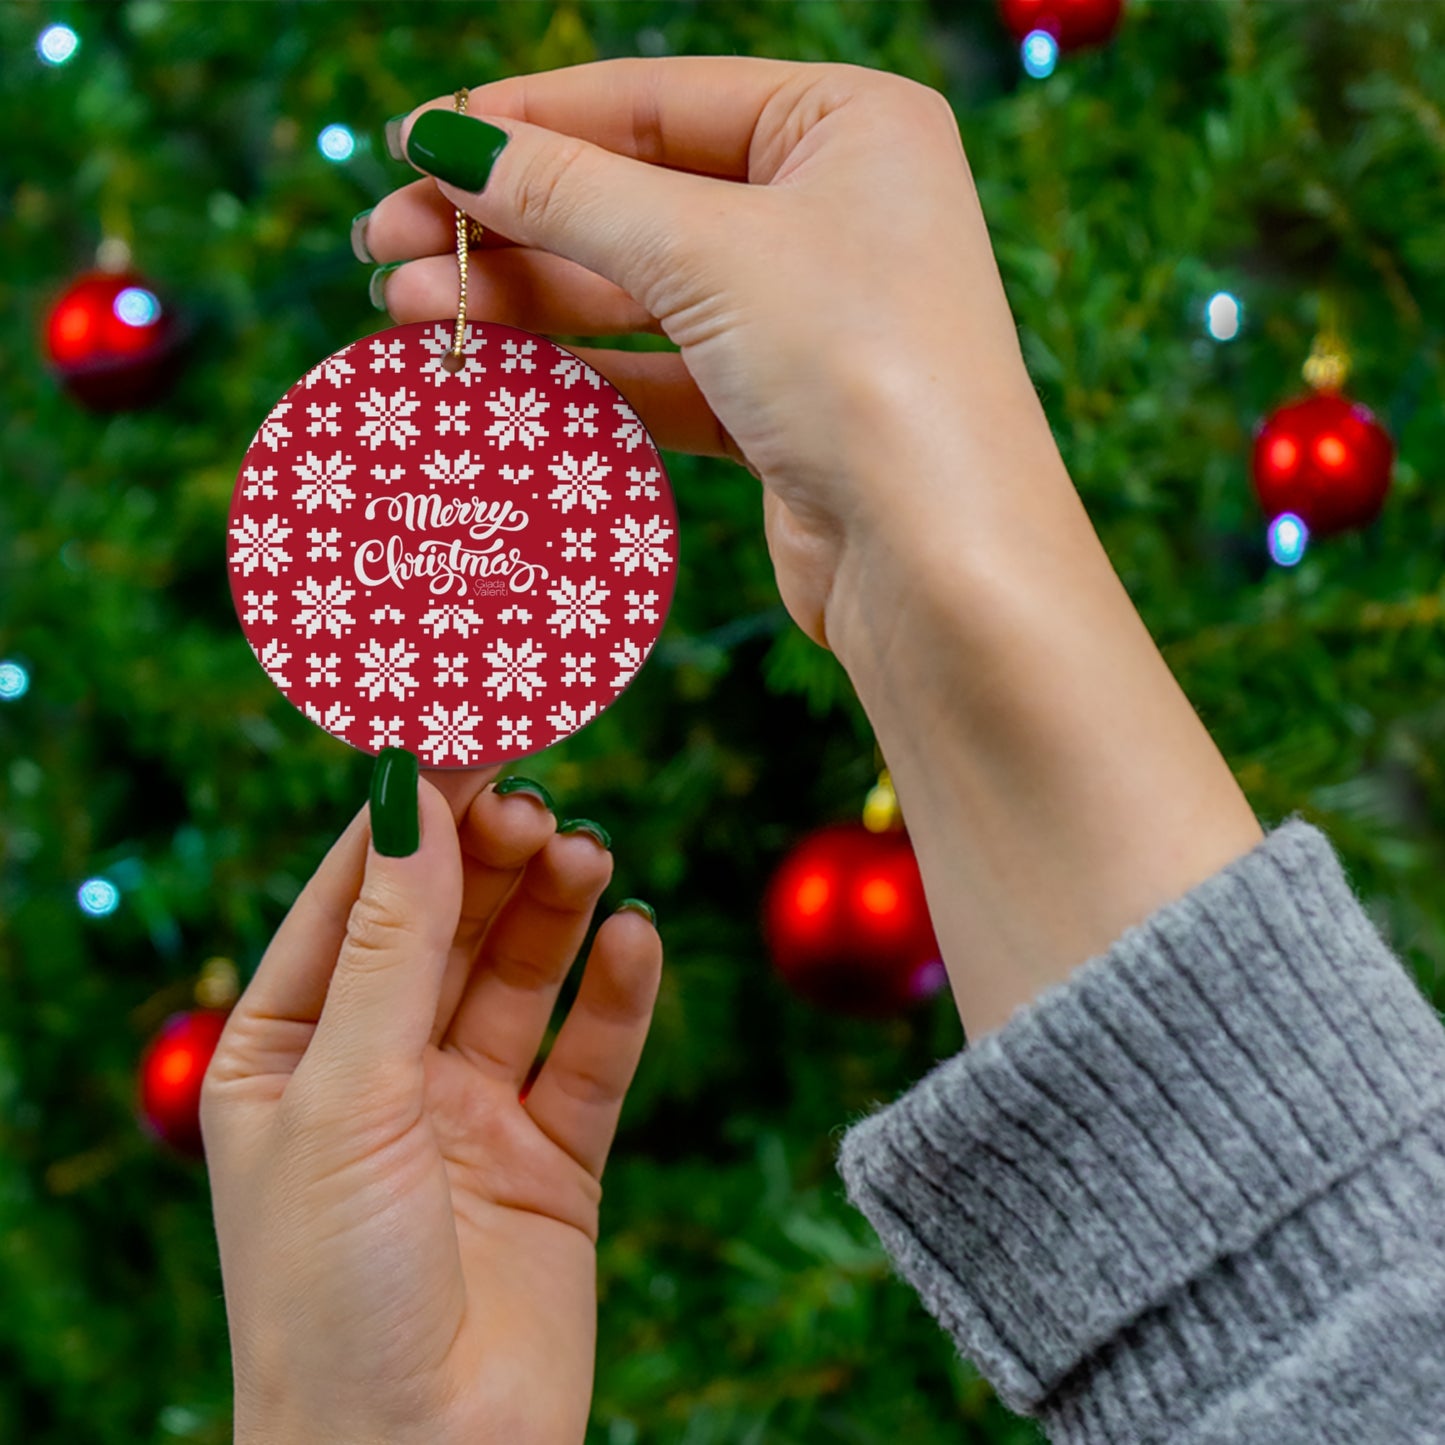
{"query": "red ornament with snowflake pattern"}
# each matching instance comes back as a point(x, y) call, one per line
point(471, 564)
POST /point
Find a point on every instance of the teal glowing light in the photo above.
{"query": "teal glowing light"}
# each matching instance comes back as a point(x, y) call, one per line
point(1223, 316)
point(336, 143)
point(137, 307)
point(14, 681)
point(1040, 53)
point(57, 44)
point(1288, 537)
point(98, 897)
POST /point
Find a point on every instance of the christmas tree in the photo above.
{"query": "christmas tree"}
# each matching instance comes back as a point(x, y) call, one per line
point(1180, 214)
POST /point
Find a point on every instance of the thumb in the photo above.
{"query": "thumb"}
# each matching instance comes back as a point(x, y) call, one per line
point(628, 221)
point(382, 999)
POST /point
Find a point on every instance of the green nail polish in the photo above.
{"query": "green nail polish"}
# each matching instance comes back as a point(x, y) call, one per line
point(586, 825)
point(392, 132)
point(395, 824)
point(528, 786)
point(455, 148)
point(636, 905)
point(376, 288)
point(359, 248)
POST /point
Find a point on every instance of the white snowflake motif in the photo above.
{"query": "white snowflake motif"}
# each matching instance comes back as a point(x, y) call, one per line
point(388, 614)
point(386, 732)
point(273, 430)
point(451, 669)
point(513, 734)
point(323, 669)
point(642, 546)
point(630, 432)
point(387, 354)
point(325, 544)
point(577, 544)
point(273, 657)
point(387, 475)
point(579, 481)
point(324, 608)
point(259, 484)
point(642, 606)
point(324, 482)
point(452, 471)
point(258, 544)
point(323, 418)
point(452, 732)
point(387, 418)
point(386, 669)
point(440, 342)
point(334, 370)
point(642, 484)
point(336, 718)
point(453, 418)
point(463, 619)
point(628, 658)
point(519, 355)
point(579, 418)
point(577, 669)
point(514, 669)
point(516, 417)
point(570, 369)
point(508, 613)
point(567, 719)
point(578, 606)
point(262, 606)
point(515, 474)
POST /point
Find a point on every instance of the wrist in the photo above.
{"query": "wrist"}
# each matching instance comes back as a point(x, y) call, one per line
point(1056, 782)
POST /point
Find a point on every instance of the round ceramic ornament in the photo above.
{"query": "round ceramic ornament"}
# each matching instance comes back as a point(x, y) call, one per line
point(459, 541)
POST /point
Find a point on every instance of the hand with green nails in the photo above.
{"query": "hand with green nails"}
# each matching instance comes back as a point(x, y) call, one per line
point(406, 1206)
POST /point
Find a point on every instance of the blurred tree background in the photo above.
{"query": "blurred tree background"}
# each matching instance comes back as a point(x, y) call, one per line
point(1291, 154)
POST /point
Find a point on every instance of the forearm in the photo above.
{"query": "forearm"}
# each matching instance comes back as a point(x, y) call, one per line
point(1056, 782)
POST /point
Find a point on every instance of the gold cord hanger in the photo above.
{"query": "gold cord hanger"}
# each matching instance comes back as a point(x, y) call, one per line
point(469, 233)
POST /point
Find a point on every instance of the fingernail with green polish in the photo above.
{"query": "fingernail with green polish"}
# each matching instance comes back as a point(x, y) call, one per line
point(528, 786)
point(636, 905)
point(393, 136)
point(395, 821)
point(586, 825)
point(455, 148)
point(376, 288)
point(359, 248)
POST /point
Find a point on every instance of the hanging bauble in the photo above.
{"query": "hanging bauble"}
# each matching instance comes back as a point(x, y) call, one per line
point(112, 341)
point(175, 1062)
point(847, 924)
point(1072, 23)
point(1324, 458)
point(171, 1071)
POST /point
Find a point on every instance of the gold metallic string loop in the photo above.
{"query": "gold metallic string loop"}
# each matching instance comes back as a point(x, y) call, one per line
point(469, 233)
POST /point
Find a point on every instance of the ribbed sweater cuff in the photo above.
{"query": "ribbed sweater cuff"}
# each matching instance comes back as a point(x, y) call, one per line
point(1154, 1151)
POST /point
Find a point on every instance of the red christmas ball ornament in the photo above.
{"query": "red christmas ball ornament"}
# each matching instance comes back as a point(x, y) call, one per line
point(1326, 459)
point(1073, 23)
point(111, 340)
point(171, 1071)
point(847, 924)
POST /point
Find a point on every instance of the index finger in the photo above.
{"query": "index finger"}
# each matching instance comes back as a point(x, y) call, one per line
point(687, 112)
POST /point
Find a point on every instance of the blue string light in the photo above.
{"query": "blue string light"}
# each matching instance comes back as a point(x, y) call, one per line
point(14, 681)
point(1040, 54)
point(98, 897)
point(1288, 537)
point(136, 306)
point(336, 143)
point(57, 44)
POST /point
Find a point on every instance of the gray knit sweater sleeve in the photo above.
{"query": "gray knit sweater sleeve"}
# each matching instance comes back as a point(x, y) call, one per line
point(1197, 1191)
